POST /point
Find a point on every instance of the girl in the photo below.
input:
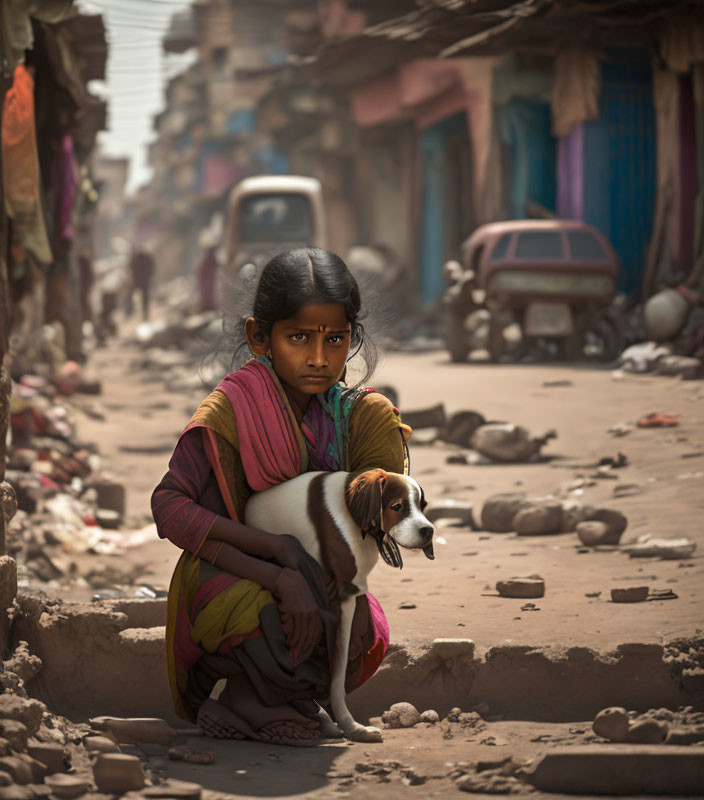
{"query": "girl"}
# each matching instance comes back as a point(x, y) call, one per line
point(244, 605)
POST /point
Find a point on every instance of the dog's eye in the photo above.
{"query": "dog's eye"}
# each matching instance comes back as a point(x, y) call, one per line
point(397, 506)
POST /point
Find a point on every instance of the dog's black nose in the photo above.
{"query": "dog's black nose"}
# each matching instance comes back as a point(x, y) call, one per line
point(427, 532)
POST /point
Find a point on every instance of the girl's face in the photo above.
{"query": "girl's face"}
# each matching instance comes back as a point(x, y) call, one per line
point(309, 350)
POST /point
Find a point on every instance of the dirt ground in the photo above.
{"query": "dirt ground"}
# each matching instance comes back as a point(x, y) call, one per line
point(454, 595)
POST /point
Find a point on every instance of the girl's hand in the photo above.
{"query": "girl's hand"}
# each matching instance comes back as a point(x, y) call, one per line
point(286, 551)
point(300, 617)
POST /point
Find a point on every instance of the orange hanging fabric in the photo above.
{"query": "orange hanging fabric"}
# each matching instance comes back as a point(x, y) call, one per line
point(20, 167)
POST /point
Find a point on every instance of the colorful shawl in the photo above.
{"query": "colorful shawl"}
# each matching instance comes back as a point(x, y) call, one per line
point(250, 440)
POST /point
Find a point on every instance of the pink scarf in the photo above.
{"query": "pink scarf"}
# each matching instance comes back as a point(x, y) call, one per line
point(271, 451)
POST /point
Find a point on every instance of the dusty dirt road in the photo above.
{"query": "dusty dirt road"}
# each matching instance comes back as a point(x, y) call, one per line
point(454, 596)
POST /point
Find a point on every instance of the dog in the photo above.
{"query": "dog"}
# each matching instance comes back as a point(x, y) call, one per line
point(345, 521)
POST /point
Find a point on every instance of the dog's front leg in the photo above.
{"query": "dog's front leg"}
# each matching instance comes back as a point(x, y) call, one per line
point(352, 729)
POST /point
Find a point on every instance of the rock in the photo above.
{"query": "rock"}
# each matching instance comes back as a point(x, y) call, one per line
point(101, 744)
point(446, 648)
point(573, 512)
point(685, 735)
point(681, 366)
point(615, 522)
point(116, 773)
point(625, 769)
point(506, 442)
point(110, 495)
point(27, 711)
point(430, 716)
point(67, 786)
point(541, 519)
point(532, 586)
point(401, 715)
point(178, 790)
point(23, 663)
point(652, 547)
point(451, 509)
point(15, 792)
point(23, 769)
point(633, 594)
point(612, 724)
point(8, 502)
point(499, 511)
point(648, 731)
point(461, 428)
point(107, 518)
point(50, 754)
point(15, 732)
point(592, 533)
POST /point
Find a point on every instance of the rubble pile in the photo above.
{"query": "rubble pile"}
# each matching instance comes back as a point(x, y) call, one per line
point(67, 503)
point(43, 754)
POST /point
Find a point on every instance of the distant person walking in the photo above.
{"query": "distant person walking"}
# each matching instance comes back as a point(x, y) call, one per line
point(141, 274)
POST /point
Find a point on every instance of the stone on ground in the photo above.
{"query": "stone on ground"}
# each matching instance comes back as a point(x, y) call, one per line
point(401, 715)
point(532, 586)
point(542, 518)
point(648, 731)
point(499, 510)
point(612, 723)
point(115, 773)
point(631, 594)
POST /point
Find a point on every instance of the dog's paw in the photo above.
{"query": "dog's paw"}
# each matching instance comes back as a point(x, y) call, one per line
point(364, 733)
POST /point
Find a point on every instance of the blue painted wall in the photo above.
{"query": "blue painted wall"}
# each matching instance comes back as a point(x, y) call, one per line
point(619, 161)
point(525, 127)
point(433, 210)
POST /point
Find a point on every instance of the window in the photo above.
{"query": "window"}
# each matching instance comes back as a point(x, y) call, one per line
point(585, 247)
point(501, 247)
point(276, 217)
point(539, 244)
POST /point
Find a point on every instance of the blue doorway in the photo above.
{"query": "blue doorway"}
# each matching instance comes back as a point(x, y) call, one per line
point(446, 206)
point(619, 161)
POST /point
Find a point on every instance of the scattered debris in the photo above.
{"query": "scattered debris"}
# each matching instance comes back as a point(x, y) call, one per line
point(657, 420)
point(451, 509)
point(531, 586)
point(506, 442)
point(633, 594)
point(648, 546)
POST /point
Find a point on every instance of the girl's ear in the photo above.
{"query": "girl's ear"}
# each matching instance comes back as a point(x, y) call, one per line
point(257, 341)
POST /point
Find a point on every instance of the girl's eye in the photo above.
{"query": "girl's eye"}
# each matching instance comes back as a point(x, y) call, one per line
point(397, 506)
point(299, 337)
point(335, 339)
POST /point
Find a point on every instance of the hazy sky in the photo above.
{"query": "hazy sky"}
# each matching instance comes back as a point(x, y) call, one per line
point(137, 70)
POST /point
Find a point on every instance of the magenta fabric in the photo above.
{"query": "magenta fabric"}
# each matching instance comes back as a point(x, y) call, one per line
point(267, 441)
point(570, 174)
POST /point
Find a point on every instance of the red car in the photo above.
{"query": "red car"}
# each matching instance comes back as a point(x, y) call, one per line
point(554, 278)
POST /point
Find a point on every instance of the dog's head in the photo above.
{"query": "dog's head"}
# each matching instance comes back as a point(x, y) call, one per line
point(389, 507)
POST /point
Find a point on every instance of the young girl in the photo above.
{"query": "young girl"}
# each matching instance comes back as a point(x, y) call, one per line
point(244, 605)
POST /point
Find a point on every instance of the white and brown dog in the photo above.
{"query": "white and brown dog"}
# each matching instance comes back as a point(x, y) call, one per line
point(345, 521)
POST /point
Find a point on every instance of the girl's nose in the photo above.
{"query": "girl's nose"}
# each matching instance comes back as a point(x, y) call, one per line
point(316, 353)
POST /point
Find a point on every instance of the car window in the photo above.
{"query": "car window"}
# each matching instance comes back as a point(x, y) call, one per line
point(585, 246)
point(275, 217)
point(501, 247)
point(540, 244)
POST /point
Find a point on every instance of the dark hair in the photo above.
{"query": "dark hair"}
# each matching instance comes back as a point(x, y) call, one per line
point(296, 278)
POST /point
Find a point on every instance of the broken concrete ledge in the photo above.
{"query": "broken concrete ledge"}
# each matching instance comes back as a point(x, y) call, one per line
point(620, 769)
point(109, 658)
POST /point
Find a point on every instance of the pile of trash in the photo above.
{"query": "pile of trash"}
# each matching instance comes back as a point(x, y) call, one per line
point(488, 441)
point(67, 503)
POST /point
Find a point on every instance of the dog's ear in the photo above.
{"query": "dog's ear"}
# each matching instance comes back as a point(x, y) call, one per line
point(363, 494)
